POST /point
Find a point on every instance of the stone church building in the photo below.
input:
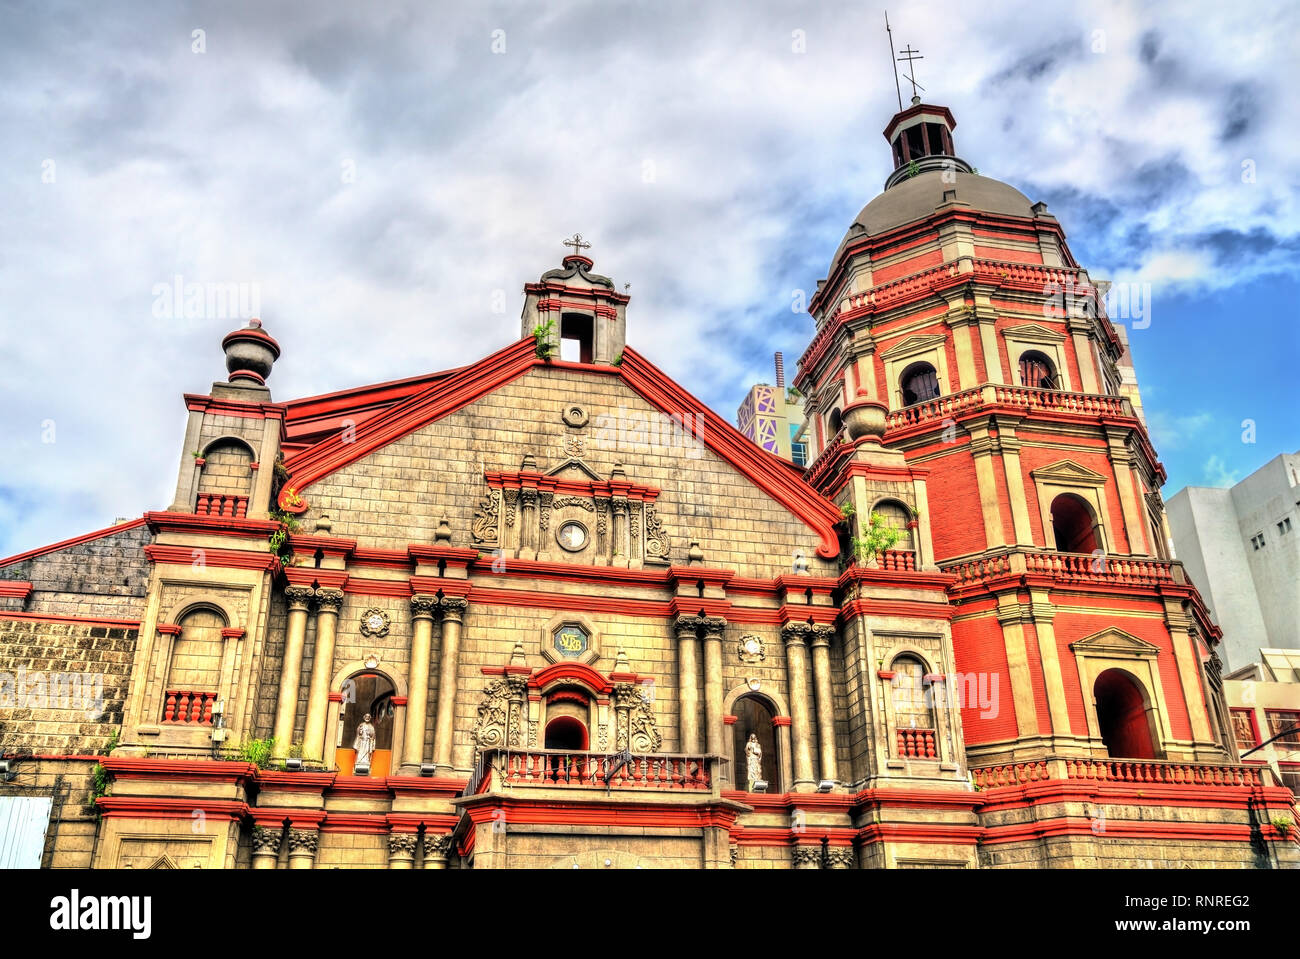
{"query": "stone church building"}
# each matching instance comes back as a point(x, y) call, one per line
point(548, 612)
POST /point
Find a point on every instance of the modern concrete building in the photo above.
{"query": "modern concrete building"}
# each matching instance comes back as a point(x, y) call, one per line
point(1241, 546)
point(773, 418)
point(1264, 701)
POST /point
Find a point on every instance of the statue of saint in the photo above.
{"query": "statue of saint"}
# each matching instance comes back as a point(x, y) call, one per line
point(364, 744)
point(753, 760)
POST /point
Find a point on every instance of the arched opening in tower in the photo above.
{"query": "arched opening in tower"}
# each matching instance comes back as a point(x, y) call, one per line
point(566, 732)
point(1122, 716)
point(1074, 527)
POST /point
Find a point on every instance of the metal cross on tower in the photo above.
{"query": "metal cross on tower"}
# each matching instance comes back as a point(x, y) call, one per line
point(909, 55)
point(577, 244)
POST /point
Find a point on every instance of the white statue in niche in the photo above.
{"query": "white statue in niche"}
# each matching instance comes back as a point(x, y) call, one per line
point(364, 744)
point(753, 760)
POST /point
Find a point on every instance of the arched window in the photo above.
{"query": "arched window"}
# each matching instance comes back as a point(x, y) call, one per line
point(576, 338)
point(897, 516)
point(754, 716)
point(366, 693)
point(194, 674)
point(1122, 716)
point(914, 733)
point(226, 469)
point(919, 382)
point(1037, 371)
point(835, 421)
point(1074, 526)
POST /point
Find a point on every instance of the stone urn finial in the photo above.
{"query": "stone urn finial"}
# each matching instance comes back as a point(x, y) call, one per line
point(865, 419)
point(696, 555)
point(250, 353)
point(443, 533)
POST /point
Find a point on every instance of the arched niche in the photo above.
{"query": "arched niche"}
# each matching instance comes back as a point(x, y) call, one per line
point(1124, 715)
point(765, 713)
point(358, 688)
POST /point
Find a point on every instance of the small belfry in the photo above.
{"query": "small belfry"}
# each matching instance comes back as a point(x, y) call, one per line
point(575, 314)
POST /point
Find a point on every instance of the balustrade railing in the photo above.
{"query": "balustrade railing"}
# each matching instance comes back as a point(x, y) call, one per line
point(1153, 771)
point(565, 768)
point(916, 743)
point(189, 707)
point(1063, 567)
point(222, 504)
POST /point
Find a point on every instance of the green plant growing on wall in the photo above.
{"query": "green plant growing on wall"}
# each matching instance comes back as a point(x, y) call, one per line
point(877, 536)
point(286, 525)
point(99, 780)
point(256, 751)
point(1282, 824)
point(913, 168)
point(542, 334)
point(848, 510)
point(618, 360)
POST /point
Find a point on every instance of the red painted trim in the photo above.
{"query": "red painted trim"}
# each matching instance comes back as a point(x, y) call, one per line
point(185, 770)
point(233, 633)
point(730, 720)
point(781, 721)
point(75, 541)
point(166, 521)
point(15, 587)
point(769, 473)
point(87, 621)
point(910, 609)
point(571, 671)
point(400, 700)
point(221, 558)
point(433, 403)
point(168, 629)
point(157, 807)
point(377, 587)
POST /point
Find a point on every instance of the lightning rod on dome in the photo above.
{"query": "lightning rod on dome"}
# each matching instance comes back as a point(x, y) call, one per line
point(894, 63)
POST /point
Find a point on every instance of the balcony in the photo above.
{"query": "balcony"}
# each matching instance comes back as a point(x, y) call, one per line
point(1126, 771)
point(509, 769)
point(993, 396)
point(1069, 568)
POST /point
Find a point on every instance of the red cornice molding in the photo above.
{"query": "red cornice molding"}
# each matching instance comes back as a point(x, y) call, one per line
point(905, 608)
point(186, 770)
point(158, 807)
point(202, 403)
point(75, 541)
point(175, 522)
point(221, 558)
point(18, 588)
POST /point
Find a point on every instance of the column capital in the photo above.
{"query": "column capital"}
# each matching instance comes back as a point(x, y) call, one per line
point(453, 608)
point(436, 846)
point(822, 634)
point(840, 857)
point(401, 845)
point(303, 842)
point(795, 633)
point(714, 626)
point(423, 606)
point(298, 596)
point(266, 841)
point(687, 627)
point(808, 857)
point(329, 600)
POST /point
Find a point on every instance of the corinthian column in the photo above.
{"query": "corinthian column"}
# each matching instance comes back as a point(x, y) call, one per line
point(266, 847)
point(401, 850)
point(713, 628)
point(302, 848)
point(328, 604)
point(290, 668)
point(453, 614)
point(796, 664)
point(688, 689)
point(417, 705)
point(821, 661)
point(436, 849)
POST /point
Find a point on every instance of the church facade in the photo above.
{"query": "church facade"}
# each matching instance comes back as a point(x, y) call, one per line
point(538, 612)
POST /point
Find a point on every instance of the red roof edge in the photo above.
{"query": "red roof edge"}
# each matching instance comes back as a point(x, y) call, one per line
point(75, 541)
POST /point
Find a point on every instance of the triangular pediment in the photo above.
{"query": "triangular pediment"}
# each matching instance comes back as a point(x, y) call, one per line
point(1069, 472)
point(573, 467)
point(920, 343)
point(164, 862)
point(1033, 333)
point(777, 478)
point(1113, 640)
